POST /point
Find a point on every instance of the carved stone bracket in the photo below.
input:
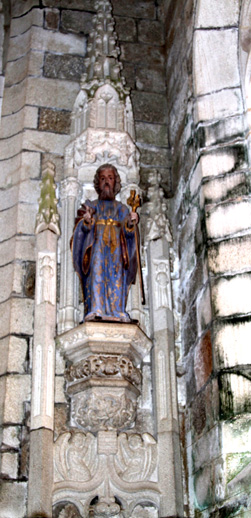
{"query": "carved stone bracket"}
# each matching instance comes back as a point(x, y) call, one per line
point(104, 378)
point(89, 471)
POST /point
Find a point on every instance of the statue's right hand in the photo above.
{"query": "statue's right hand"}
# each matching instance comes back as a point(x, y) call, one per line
point(88, 213)
point(87, 217)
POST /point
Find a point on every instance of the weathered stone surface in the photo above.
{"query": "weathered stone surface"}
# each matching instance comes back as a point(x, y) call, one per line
point(27, 117)
point(142, 54)
point(68, 67)
point(227, 219)
point(229, 187)
point(78, 22)
point(41, 473)
point(207, 448)
point(221, 47)
point(30, 64)
point(48, 141)
point(154, 134)
point(231, 295)
point(40, 92)
point(232, 343)
point(151, 32)
point(223, 160)
point(217, 13)
point(54, 120)
point(203, 360)
point(235, 389)
point(125, 28)
point(203, 487)
point(29, 280)
point(13, 499)
point(203, 308)
point(149, 107)
point(233, 255)
point(129, 75)
point(199, 416)
point(156, 156)
point(17, 391)
point(141, 9)
point(17, 354)
point(11, 437)
point(18, 9)
point(52, 17)
point(221, 131)
point(218, 105)
point(60, 419)
point(9, 465)
point(56, 42)
point(25, 248)
point(21, 24)
point(84, 5)
point(59, 390)
point(152, 82)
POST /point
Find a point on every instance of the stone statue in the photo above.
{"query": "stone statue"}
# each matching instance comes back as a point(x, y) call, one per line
point(104, 249)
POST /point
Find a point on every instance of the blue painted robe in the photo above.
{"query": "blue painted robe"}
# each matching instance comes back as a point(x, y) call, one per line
point(104, 256)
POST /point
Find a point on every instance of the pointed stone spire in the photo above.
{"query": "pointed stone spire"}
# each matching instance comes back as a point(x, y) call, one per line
point(47, 216)
point(102, 51)
point(102, 128)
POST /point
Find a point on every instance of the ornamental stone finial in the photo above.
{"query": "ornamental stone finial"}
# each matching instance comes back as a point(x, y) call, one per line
point(157, 225)
point(47, 216)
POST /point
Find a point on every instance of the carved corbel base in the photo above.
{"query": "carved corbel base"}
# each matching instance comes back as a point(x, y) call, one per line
point(103, 472)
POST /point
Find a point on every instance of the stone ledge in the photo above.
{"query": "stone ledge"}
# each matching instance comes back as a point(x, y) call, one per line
point(105, 337)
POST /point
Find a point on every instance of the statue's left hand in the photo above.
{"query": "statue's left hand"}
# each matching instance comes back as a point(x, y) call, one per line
point(134, 217)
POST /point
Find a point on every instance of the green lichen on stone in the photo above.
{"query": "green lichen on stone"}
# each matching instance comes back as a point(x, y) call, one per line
point(47, 216)
point(235, 462)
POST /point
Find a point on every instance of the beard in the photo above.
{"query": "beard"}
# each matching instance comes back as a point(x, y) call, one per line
point(107, 193)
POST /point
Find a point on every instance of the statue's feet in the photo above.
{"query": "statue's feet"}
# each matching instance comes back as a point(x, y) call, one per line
point(93, 317)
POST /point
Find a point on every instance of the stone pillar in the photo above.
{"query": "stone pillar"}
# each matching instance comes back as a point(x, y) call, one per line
point(69, 286)
point(43, 365)
point(158, 237)
point(166, 409)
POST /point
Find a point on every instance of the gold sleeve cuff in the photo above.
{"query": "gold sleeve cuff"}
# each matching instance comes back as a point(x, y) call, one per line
point(128, 229)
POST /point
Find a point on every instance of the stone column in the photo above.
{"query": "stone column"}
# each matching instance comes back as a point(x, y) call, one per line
point(166, 409)
point(158, 237)
point(43, 365)
point(69, 286)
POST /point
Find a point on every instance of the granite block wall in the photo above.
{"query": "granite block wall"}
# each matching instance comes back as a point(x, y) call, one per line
point(208, 134)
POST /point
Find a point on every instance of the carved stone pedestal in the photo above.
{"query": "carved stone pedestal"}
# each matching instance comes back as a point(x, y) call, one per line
point(104, 473)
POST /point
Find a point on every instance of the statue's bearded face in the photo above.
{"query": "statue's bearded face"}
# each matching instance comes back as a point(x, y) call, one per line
point(107, 184)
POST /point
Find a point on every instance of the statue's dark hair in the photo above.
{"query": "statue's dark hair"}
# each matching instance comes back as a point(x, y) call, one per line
point(102, 168)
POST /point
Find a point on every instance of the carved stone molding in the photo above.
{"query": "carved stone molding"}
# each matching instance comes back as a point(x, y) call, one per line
point(90, 471)
point(75, 457)
point(104, 366)
point(105, 338)
point(157, 223)
point(103, 409)
point(70, 187)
